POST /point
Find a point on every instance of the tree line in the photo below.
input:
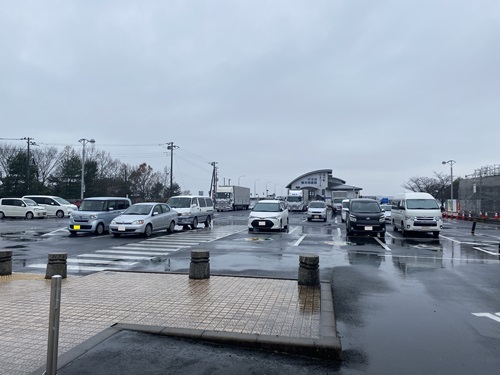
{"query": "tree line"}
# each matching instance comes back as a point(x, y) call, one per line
point(48, 171)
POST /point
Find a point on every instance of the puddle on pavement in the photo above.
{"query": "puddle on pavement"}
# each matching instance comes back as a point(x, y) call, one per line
point(23, 236)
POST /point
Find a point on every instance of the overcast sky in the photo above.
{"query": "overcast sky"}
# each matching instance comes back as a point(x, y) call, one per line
point(377, 91)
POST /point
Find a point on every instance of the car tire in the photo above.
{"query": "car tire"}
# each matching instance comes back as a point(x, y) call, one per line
point(250, 230)
point(171, 227)
point(195, 223)
point(308, 219)
point(72, 233)
point(435, 234)
point(208, 221)
point(29, 215)
point(99, 230)
point(404, 232)
point(60, 214)
point(2, 215)
point(394, 227)
point(148, 230)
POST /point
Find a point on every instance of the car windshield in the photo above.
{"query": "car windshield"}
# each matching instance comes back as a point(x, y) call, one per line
point(61, 200)
point(365, 207)
point(386, 207)
point(422, 204)
point(178, 202)
point(138, 209)
point(267, 207)
point(92, 205)
point(294, 199)
point(30, 202)
point(317, 205)
point(223, 195)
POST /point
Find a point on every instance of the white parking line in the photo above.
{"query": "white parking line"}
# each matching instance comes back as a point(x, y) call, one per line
point(485, 251)
point(387, 248)
point(54, 232)
point(297, 243)
point(131, 252)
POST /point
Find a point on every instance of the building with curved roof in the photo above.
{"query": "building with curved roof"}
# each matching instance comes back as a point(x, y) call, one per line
point(321, 184)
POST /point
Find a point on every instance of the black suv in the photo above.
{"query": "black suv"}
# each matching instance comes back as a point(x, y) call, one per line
point(365, 216)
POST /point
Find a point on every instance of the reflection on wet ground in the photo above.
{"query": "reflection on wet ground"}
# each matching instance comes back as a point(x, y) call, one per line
point(22, 236)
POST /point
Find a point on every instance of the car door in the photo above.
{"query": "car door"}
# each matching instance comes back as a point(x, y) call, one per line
point(157, 218)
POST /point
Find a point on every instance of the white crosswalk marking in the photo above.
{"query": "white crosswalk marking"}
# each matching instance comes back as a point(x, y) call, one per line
point(126, 256)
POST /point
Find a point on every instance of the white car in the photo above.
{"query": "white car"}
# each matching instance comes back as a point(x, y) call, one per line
point(316, 210)
point(387, 211)
point(144, 219)
point(269, 214)
point(21, 207)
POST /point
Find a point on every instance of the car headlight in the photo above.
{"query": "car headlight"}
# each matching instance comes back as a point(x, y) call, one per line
point(411, 218)
point(352, 218)
point(137, 222)
point(382, 219)
point(93, 217)
point(113, 222)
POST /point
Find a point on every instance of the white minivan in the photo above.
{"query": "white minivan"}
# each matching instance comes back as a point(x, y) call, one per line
point(55, 206)
point(193, 209)
point(416, 212)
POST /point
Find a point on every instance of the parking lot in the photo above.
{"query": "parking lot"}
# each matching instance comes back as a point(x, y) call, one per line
point(403, 305)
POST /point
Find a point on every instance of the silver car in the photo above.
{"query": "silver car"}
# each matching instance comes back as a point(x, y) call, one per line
point(144, 218)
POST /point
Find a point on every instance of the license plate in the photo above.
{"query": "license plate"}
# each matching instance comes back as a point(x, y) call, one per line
point(368, 228)
point(426, 228)
point(262, 223)
point(316, 216)
point(121, 229)
point(77, 227)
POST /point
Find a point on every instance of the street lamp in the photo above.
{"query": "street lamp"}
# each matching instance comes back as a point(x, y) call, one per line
point(239, 179)
point(450, 162)
point(254, 187)
point(84, 141)
point(268, 182)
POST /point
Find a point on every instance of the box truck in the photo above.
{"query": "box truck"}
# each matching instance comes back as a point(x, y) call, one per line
point(232, 198)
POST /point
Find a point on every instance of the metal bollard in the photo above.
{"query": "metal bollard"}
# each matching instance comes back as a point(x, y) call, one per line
point(473, 226)
point(56, 265)
point(54, 314)
point(308, 270)
point(5, 262)
point(199, 268)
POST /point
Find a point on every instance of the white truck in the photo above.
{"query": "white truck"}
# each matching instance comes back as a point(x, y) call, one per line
point(297, 200)
point(232, 198)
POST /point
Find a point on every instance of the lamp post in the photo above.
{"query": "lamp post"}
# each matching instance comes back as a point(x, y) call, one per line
point(254, 187)
point(239, 179)
point(268, 182)
point(450, 162)
point(84, 141)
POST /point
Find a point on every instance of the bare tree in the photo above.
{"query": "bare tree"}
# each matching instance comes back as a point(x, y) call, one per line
point(7, 151)
point(47, 160)
point(432, 185)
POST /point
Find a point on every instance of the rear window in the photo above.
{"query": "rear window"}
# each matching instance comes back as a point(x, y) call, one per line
point(267, 207)
point(179, 202)
point(317, 205)
point(365, 207)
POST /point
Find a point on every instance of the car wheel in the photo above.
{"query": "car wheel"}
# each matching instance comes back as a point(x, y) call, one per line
point(171, 227)
point(308, 219)
point(148, 230)
point(435, 234)
point(250, 230)
point(394, 227)
point(195, 223)
point(72, 233)
point(208, 221)
point(60, 214)
point(117, 234)
point(2, 215)
point(382, 235)
point(29, 215)
point(99, 229)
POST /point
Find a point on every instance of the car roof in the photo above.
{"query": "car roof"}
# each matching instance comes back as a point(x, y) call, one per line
point(269, 201)
point(104, 198)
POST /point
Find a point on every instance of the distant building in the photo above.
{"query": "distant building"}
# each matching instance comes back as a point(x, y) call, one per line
point(321, 184)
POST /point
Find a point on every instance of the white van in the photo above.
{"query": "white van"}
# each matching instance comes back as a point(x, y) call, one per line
point(21, 207)
point(193, 209)
point(55, 206)
point(416, 212)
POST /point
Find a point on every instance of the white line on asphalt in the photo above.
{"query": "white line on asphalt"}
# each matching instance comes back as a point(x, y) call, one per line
point(450, 239)
point(339, 232)
point(387, 248)
point(485, 251)
point(293, 230)
point(76, 268)
point(131, 247)
point(55, 231)
point(297, 243)
point(488, 315)
point(99, 261)
point(93, 255)
point(131, 252)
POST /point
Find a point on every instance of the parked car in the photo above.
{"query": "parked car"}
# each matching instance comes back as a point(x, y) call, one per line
point(387, 211)
point(365, 216)
point(21, 207)
point(193, 209)
point(55, 206)
point(270, 214)
point(345, 210)
point(316, 210)
point(144, 218)
point(95, 214)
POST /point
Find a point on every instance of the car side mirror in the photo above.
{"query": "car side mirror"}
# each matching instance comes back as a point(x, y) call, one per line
point(111, 209)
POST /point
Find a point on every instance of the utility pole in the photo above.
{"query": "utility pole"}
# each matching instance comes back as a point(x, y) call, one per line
point(171, 146)
point(213, 185)
point(29, 141)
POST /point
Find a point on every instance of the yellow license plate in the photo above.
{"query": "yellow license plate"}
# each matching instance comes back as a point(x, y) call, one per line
point(77, 227)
